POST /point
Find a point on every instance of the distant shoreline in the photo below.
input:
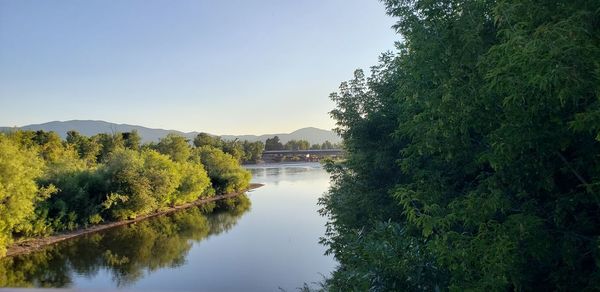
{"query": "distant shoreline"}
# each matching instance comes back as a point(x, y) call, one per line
point(34, 244)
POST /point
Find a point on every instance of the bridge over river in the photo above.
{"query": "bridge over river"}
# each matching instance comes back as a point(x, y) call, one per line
point(301, 155)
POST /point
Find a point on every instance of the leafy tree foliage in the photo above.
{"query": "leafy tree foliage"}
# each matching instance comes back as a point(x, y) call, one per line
point(175, 146)
point(49, 145)
point(132, 140)
point(109, 143)
point(234, 148)
point(87, 148)
point(473, 152)
point(204, 139)
point(297, 145)
point(328, 145)
point(19, 168)
point(194, 184)
point(141, 183)
point(273, 144)
point(245, 152)
point(242, 151)
point(253, 151)
point(49, 185)
point(223, 169)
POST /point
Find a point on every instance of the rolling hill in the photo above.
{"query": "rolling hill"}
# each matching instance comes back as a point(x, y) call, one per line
point(90, 127)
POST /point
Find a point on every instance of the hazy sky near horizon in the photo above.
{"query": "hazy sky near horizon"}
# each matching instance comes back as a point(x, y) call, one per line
point(224, 67)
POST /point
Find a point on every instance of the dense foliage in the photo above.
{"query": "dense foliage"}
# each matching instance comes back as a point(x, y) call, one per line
point(242, 151)
point(18, 189)
point(222, 168)
point(473, 152)
point(49, 185)
point(275, 144)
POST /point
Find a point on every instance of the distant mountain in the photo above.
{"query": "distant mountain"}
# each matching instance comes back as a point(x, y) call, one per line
point(89, 128)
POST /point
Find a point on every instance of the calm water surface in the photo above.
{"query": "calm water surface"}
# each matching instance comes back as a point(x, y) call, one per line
point(262, 242)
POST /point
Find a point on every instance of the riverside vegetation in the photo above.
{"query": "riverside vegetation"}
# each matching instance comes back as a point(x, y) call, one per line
point(473, 152)
point(49, 185)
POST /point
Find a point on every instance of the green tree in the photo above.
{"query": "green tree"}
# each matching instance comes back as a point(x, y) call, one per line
point(163, 177)
point(472, 153)
point(253, 151)
point(77, 202)
point(132, 140)
point(109, 143)
point(297, 145)
point(234, 148)
point(129, 194)
point(87, 148)
point(194, 184)
point(49, 145)
point(226, 175)
point(19, 168)
point(175, 146)
point(204, 139)
point(273, 144)
point(327, 145)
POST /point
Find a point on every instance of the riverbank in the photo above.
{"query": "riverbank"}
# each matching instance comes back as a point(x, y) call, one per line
point(33, 244)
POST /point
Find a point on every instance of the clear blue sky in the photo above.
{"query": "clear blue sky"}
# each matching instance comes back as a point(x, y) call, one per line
point(225, 67)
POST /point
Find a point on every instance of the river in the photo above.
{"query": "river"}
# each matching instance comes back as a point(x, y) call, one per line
point(263, 241)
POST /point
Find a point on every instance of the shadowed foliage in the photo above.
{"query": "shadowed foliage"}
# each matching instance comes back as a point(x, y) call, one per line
point(473, 152)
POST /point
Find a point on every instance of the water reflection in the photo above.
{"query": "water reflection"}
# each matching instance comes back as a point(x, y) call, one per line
point(276, 173)
point(276, 244)
point(128, 253)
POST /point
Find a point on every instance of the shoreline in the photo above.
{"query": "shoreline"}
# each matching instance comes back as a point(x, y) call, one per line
point(34, 244)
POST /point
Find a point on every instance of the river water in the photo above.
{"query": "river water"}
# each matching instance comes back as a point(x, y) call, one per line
point(265, 241)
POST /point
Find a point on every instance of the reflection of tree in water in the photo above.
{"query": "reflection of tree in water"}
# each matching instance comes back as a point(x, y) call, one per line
point(230, 211)
point(127, 251)
point(40, 269)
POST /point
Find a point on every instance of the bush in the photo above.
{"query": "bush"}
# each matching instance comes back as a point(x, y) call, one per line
point(194, 183)
point(124, 173)
point(224, 171)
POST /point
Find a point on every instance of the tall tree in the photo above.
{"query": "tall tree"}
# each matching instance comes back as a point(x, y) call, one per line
point(234, 148)
point(297, 145)
point(253, 151)
point(327, 145)
point(175, 146)
point(273, 144)
point(203, 139)
point(132, 140)
point(50, 145)
point(19, 168)
point(88, 149)
point(473, 153)
point(109, 143)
